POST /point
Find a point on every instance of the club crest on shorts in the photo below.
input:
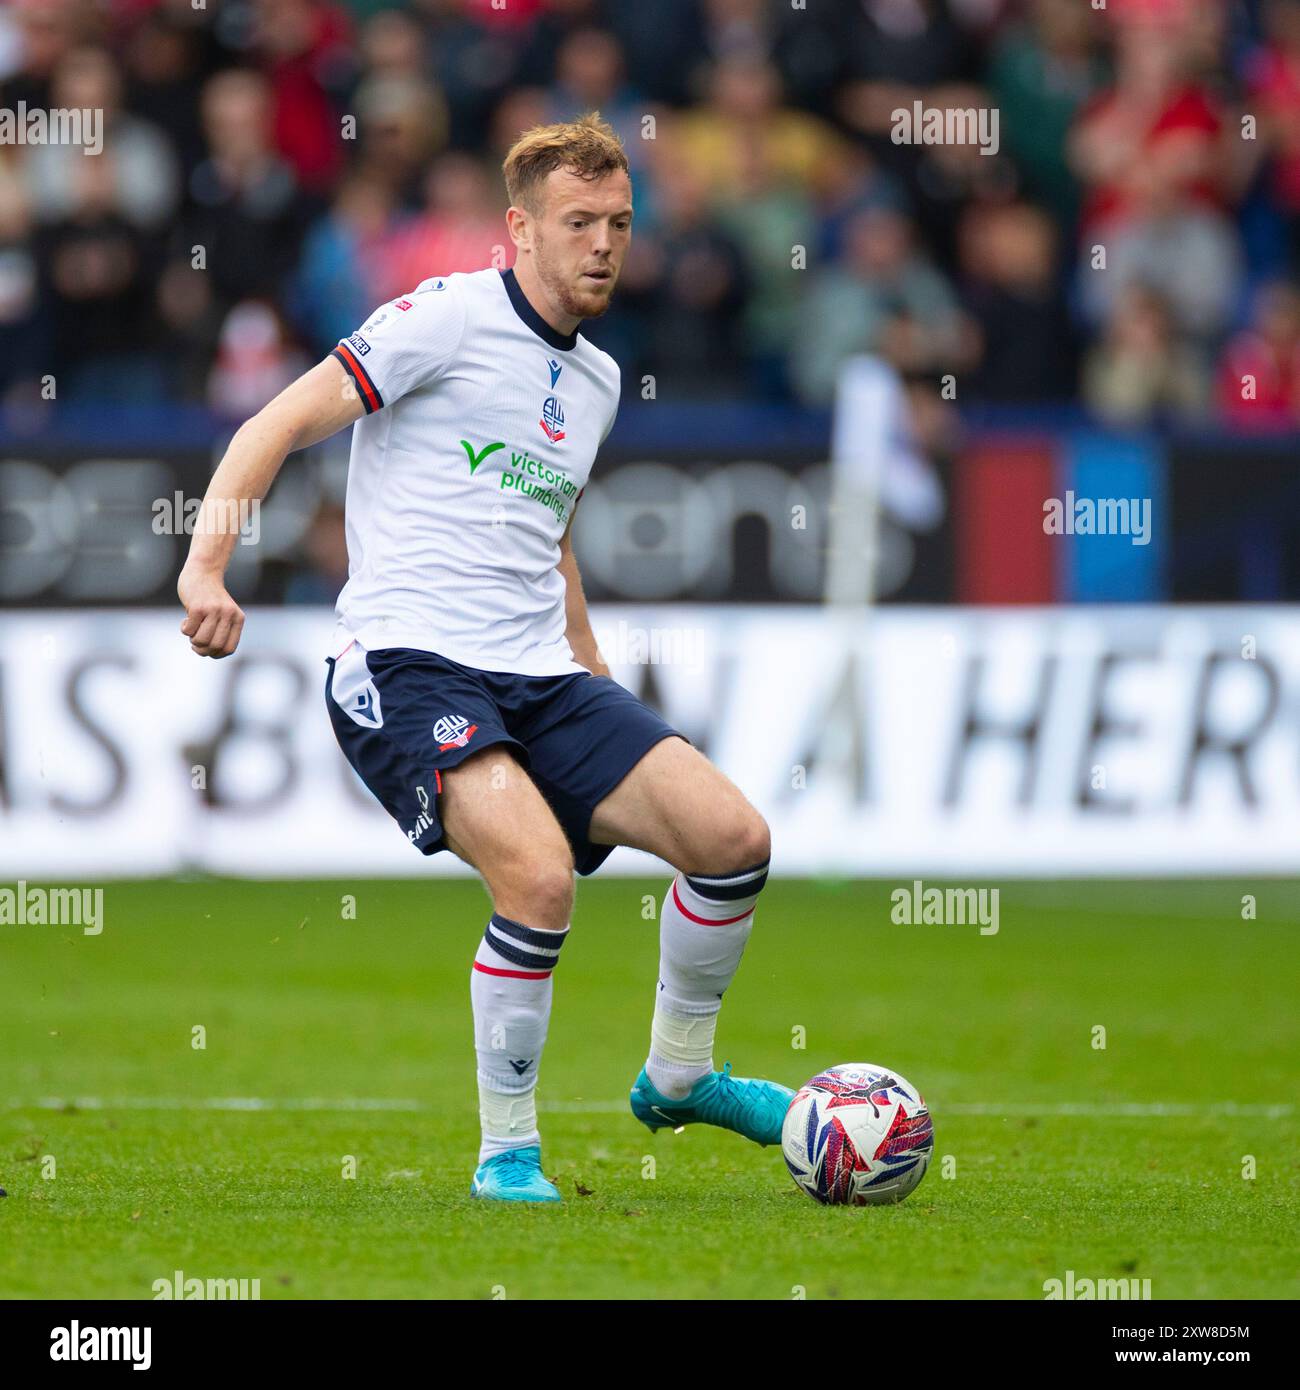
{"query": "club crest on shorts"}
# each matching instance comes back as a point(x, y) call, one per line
point(552, 421)
point(453, 731)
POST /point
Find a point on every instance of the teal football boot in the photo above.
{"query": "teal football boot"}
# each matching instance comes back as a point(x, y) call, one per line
point(749, 1107)
point(514, 1176)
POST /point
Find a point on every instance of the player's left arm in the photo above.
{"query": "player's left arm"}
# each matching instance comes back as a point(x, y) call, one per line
point(577, 624)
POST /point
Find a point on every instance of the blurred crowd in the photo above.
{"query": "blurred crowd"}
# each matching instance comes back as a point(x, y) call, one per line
point(273, 169)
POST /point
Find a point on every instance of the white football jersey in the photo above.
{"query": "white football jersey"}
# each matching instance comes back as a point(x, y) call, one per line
point(481, 426)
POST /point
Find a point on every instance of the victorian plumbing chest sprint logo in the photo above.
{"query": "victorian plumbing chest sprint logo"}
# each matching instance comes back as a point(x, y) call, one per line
point(527, 477)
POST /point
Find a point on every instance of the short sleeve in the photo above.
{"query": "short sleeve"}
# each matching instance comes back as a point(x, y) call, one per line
point(613, 414)
point(404, 344)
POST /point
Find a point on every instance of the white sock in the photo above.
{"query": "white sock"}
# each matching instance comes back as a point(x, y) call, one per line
point(703, 927)
point(510, 989)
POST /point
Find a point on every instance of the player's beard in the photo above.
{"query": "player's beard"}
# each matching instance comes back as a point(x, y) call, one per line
point(581, 304)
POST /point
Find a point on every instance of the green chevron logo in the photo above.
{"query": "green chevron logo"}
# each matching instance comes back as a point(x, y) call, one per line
point(476, 459)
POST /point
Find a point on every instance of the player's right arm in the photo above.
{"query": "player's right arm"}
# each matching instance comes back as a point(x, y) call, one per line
point(317, 405)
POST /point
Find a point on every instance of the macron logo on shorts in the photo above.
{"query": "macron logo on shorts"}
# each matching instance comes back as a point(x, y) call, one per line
point(455, 731)
point(365, 705)
point(353, 690)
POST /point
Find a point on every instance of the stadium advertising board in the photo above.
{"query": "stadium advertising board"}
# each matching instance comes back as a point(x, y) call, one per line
point(964, 741)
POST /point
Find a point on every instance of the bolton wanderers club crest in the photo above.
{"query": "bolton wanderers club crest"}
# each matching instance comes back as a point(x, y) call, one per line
point(553, 419)
point(455, 731)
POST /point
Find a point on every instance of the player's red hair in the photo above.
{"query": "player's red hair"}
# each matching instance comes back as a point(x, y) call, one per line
point(587, 147)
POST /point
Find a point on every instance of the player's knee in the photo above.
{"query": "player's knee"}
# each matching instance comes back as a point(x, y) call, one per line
point(541, 888)
point(747, 843)
point(555, 893)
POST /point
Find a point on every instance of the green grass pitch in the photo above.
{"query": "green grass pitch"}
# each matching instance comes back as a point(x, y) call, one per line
point(1122, 1162)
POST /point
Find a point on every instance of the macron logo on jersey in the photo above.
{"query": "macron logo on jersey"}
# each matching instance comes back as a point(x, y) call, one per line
point(555, 368)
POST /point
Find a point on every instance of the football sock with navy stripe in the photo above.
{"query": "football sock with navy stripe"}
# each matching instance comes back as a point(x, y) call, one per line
point(510, 989)
point(704, 924)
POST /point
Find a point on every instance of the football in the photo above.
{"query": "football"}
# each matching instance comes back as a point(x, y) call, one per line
point(857, 1135)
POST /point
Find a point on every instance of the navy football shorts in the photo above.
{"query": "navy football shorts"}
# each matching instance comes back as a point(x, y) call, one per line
point(404, 717)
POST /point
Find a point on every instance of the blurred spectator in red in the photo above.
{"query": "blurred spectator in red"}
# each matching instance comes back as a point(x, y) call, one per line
point(255, 361)
point(1151, 154)
point(306, 50)
point(1011, 291)
point(1140, 373)
point(246, 213)
point(140, 170)
point(1154, 135)
point(1259, 373)
point(343, 272)
point(885, 298)
point(463, 227)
